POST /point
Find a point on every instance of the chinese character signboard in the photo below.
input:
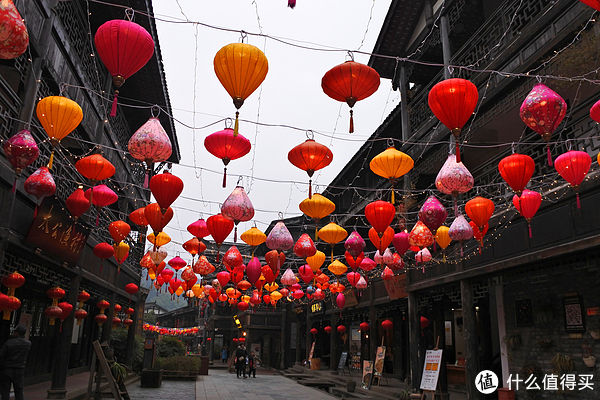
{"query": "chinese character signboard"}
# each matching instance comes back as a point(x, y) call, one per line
point(317, 308)
point(396, 287)
point(54, 232)
point(574, 317)
point(431, 369)
point(379, 360)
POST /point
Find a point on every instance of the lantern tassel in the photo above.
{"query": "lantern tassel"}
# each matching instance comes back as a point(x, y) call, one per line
point(113, 109)
point(549, 155)
point(310, 188)
point(6, 315)
point(351, 121)
point(457, 151)
point(578, 201)
point(235, 234)
point(236, 125)
point(316, 233)
point(146, 179)
point(444, 257)
point(393, 197)
point(455, 206)
point(14, 186)
point(529, 225)
point(35, 211)
point(51, 161)
point(461, 249)
point(225, 177)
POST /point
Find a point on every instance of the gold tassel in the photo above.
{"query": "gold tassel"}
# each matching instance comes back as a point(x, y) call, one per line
point(51, 160)
point(331, 253)
point(393, 197)
point(236, 125)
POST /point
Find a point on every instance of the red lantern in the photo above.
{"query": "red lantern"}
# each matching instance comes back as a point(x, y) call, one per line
point(129, 311)
point(55, 294)
point(453, 102)
point(13, 281)
point(116, 321)
point(77, 203)
point(165, 188)
point(528, 205)
point(156, 218)
point(595, 110)
point(95, 168)
point(350, 82)
point(131, 288)
point(103, 251)
point(381, 242)
point(124, 47)
point(66, 308)
point(327, 329)
point(119, 230)
point(198, 229)
point(219, 228)
point(314, 331)
point(227, 146)
point(573, 166)
point(138, 217)
point(100, 319)
point(364, 326)
point(40, 184)
point(380, 215)
point(80, 315)
point(177, 263)
point(242, 306)
point(387, 324)
point(102, 196)
point(517, 170)
point(424, 322)
point(8, 304)
point(53, 312)
point(128, 322)
point(341, 329)
point(480, 210)
point(310, 156)
point(592, 3)
point(82, 297)
point(479, 233)
point(15, 38)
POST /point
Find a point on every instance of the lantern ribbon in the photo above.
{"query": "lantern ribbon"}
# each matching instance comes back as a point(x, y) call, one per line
point(351, 121)
point(113, 109)
point(225, 176)
point(549, 155)
point(51, 159)
point(236, 125)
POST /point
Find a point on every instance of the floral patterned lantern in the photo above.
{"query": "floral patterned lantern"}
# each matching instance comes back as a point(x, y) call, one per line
point(114, 42)
point(150, 144)
point(317, 207)
point(573, 166)
point(391, 164)
point(433, 213)
point(543, 110)
point(355, 244)
point(453, 101)
point(14, 39)
point(238, 208)
point(310, 156)
point(423, 256)
point(280, 238)
point(233, 258)
point(227, 146)
point(420, 235)
point(460, 230)
point(40, 184)
point(194, 247)
point(528, 205)
point(21, 150)
point(454, 178)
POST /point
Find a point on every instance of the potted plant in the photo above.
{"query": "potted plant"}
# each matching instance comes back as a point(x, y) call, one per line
point(562, 364)
point(588, 358)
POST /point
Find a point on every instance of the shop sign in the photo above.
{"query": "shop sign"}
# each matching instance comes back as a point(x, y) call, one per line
point(431, 370)
point(367, 374)
point(317, 308)
point(379, 360)
point(396, 287)
point(54, 232)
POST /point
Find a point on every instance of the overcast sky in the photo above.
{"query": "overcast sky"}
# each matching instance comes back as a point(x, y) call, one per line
point(291, 95)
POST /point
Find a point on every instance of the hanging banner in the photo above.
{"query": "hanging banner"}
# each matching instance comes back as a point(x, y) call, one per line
point(312, 351)
point(367, 374)
point(396, 287)
point(431, 370)
point(379, 360)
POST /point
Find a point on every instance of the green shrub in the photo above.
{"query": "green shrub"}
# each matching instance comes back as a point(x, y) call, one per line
point(179, 363)
point(168, 346)
point(118, 342)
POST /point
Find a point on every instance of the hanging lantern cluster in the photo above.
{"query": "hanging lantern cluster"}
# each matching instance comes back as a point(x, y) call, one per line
point(9, 302)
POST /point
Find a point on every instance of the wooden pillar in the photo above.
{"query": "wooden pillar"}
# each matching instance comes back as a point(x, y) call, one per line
point(414, 326)
point(107, 327)
point(283, 338)
point(499, 294)
point(471, 341)
point(298, 342)
point(60, 367)
point(333, 342)
point(439, 325)
point(131, 331)
point(373, 328)
point(307, 333)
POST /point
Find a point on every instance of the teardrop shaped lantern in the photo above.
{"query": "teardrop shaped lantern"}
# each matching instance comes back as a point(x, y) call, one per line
point(21, 150)
point(219, 227)
point(453, 101)
point(442, 238)
point(420, 235)
point(350, 82)
point(238, 208)
point(59, 116)
point(253, 237)
point(227, 146)
point(332, 233)
point(480, 210)
point(543, 110)
point(380, 215)
point(573, 166)
point(155, 217)
point(517, 170)
point(150, 144)
point(241, 68)
point(40, 184)
point(165, 188)
point(528, 205)
point(305, 247)
point(310, 156)
point(14, 39)
point(381, 242)
point(433, 213)
point(317, 208)
point(280, 238)
point(138, 217)
point(454, 178)
point(124, 48)
point(460, 230)
point(391, 164)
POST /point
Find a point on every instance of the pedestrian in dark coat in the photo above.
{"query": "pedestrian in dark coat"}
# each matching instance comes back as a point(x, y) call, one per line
point(13, 357)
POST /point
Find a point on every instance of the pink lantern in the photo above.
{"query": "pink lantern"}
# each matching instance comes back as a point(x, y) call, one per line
point(355, 244)
point(353, 278)
point(305, 247)
point(460, 230)
point(388, 257)
point(367, 264)
point(423, 256)
point(40, 184)
point(378, 257)
point(177, 263)
point(238, 207)
point(150, 144)
point(340, 300)
point(401, 242)
point(280, 238)
point(420, 235)
point(387, 274)
point(433, 213)
point(543, 110)
point(453, 179)
point(253, 270)
point(21, 151)
point(288, 278)
point(102, 196)
point(361, 284)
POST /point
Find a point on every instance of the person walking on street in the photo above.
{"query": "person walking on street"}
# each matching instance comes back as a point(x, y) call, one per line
point(240, 361)
point(252, 361)
point(224, 355)
point(13, 357)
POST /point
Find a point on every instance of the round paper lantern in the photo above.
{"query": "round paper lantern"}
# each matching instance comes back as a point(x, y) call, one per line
point(156, 218)
point(198, 229)
point(350, 82)
point(66, 310)
point(391, 164)
point(480, 210)
point(573, 166)
point(528, 205)
point(253, 237)
point(305, 247)
point(328, 329)
point(380, 215)
point(167, 275)
point(314, 331)
point(381, 242)
point(14, 39)
point(332, 233)
point(387, 324)
point(433, 213)
point(150, 144)
point(13, 281)
point(59, 116)
point(241, 68)
point(401, 243)
point(310, 156)
point(460, 230)
point(165, 188)
point(242, 306)
point(119, 230)
point(280, 238)
point(317, 207)
point(131, 288)
point(21, 150)
point(101, 319)
point(517, 170)
point(124, 48)
point(543, 110)
point(40, 184)
point(219, 227)
point(55, 293)
point(227, 146)
point(80, 315)
point(53, 312)
point(77, 203)
point(454, 178)
point(95, 168)
point(364, 326)
point(355, 244)
point(420, 235)
point(341, 329)
point(103, 251)
point(238, 208)
point(127, 322)
point(453, 101)
point(316, 261)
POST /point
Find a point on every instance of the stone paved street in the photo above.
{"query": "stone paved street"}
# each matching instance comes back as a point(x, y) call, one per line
point(170, 390)
point(220, 385)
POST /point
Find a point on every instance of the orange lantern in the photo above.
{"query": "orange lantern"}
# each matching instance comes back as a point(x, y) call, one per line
point(241, 68)
point(480, 210)
point(121, 253)
point(159, 240)
point(138, 217)
point(317, 207)
point(442, 238)
point(156, 218)
point(337, 268)
point(381, 242)
point(95, 168)
point(119, 230)
point(332, 233)
point(253, 237)
point(315, 262)
point(391, 164)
